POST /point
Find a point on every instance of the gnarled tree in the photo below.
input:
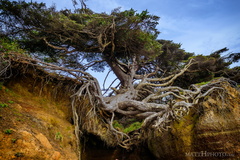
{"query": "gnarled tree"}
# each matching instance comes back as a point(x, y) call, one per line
point(124, 41)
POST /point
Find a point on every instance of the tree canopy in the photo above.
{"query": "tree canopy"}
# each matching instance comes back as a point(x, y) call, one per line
point(115, 40)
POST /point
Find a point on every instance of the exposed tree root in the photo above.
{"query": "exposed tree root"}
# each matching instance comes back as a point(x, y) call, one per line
point(153, 101)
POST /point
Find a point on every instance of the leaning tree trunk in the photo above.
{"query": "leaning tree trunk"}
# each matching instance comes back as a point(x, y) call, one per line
point(122, 72)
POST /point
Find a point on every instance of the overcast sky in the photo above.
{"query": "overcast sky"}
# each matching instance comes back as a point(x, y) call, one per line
point(201, 26)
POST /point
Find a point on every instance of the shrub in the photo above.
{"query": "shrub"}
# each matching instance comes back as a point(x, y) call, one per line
point(59, 136)
point(8, 131)
point(11, 102)
point(14, 140)
point(3, 105)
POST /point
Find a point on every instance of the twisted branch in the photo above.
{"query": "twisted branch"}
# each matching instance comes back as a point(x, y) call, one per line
point(161, 105)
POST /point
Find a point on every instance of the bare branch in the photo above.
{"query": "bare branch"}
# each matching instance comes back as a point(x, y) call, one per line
point(154, 102)
point(59, 48)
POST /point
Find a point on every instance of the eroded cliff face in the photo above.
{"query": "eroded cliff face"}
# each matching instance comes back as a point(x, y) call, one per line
point(36, 123)
point(36, 117)
point(210, 131)
point(33, 123)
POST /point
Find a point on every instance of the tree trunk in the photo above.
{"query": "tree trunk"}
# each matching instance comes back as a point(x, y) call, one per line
point(122, 73)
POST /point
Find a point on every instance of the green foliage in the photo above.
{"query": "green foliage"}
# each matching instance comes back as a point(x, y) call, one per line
point(172, 55)
point(122, 35)
point(117, 125)
point(88, 33)
point(59, 136)
point(202, 83)
point(206, 68)
point(150, 44)
point(14, 140)
point(7, 46)
point(8, 131)
point(131, 127)
point(11, 102)
point(3, 105)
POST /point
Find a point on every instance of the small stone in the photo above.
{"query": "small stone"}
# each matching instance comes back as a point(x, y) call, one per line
point(56, 155)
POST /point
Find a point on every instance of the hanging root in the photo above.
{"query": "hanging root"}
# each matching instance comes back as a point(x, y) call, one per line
point(5, 64)
point(153, 101)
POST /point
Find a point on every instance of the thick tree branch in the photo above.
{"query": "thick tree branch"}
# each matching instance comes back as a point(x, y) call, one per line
point(154, 102)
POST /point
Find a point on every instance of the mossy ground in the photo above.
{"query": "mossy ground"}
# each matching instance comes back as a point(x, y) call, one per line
point(130, 125)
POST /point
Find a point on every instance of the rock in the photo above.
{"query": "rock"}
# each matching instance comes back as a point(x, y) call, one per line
point(56, 155)
point(26, 135)
point(209, 132)
point(44, 141)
